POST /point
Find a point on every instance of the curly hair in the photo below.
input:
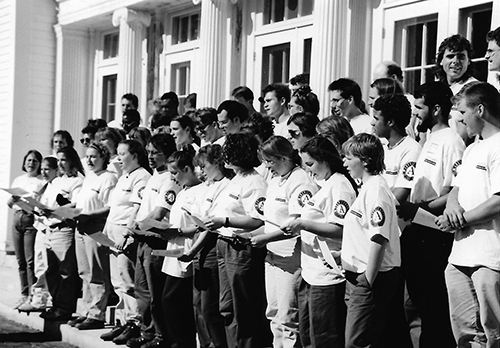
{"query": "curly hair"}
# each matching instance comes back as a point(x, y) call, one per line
point(280, 90)
point(259, 125)
point(213, 155)
point(241, 150)
point(304, 97)
point(323, 150)
point(369, 149)
point(454, 43)
point(394, 107)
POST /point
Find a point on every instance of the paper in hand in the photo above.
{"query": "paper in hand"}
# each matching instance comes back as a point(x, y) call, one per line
point(197, 221)
point(424, 218)
point(102, 239)
point(16, 191)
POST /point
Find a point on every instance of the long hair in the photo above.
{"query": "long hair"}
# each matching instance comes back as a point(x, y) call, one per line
point(38, 157)
point(136, 148)
point(72, 158)
point(277, 147)
point(323, 150)
point(336, 129)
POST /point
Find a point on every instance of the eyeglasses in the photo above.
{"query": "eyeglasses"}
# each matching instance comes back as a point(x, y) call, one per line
point(85, 141)
point(203, 128)
point(294, 133)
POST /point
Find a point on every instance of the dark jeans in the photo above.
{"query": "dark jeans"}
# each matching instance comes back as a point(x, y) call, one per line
point(424, 253)
point(62, 273)
point(206, 284)
point(322, 315)
point(141, 288)
point(242, 294)
point(177, 302)
point(23, 237)
point(371, 310)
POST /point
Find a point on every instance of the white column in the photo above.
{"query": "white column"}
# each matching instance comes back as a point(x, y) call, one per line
point(330, 47)
point(213, 41)
point(73, 71)
point(132, 26)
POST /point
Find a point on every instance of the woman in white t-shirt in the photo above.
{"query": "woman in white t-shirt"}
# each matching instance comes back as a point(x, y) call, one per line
point(110, 138)
point(371, 253)
point(288, 192)
point(92, 257)
point(23, 235)
point(124, 204)
point(321, 225)
point(241, 266)
point(177, 297)
point(62, 272)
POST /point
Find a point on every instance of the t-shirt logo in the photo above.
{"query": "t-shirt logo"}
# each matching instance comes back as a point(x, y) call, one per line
point(304, 197)
point(377, 217)
point(259, 205)
point(456, 165)
point(341, 208)
point(170, 197)
point(139, 193)
point(409, 170)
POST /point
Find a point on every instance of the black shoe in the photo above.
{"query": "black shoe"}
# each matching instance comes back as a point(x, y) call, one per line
point(115, 332)
point(137, 342)
point(131, 331)
point(46, 313)
point(156, 342)
point(78, 320)
point(90, 324)
point(57, 315)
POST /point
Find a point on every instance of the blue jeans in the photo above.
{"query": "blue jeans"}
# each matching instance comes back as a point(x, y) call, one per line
point(23, 237)
point(315, 304)
point(474, 294)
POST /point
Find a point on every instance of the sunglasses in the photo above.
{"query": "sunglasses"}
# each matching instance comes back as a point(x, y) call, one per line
point(85, 140)
point(294, 133)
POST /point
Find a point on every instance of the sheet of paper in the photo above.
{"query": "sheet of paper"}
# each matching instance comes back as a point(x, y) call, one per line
point(102, 239)
point(66, 212)
point(34, 203)
point(24, 206)
point(16, 191)
point(424, 218)
point(147, 224)
point(168, 253)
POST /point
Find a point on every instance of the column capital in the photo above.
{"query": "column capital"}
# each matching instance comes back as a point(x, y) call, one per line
point(130, 16)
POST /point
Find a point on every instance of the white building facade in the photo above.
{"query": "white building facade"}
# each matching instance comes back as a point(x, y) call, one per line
point(94, 51)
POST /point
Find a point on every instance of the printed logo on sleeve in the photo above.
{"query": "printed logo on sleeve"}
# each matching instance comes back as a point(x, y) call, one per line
point(341, 209)
point(456, 166)
point(139, 193)
point(259, 205)
point(481, 167)
point(304, 197)
point(170, 197)
point(377, 217)
point(409, 170)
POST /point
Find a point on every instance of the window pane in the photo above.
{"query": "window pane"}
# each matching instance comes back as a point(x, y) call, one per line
point(292, 9)
point(414, 49)
point(108, 97)
point(430, 49)
point(175, 31)
point(275, 64)
point(183, 36)
point(180, 78)
point(307, 7)
point(267, 11)
point(110, 49)
point(195, 22)
point(279, 10)
point(307, 56)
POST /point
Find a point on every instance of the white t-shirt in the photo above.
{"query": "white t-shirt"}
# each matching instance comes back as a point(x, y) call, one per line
point(67, 186)
point(128, 191)
point(114, 166)
point(189, 198)
point(212, 200)
point(478, 180)
point(281, 127)
point(372, 213)
point(30, 184)
point(243, 196)
point(400, 163)
point(160, 191)
point(437, 164)
point(329, 205)
point(361, 124)
point(286, 196)
point(95, 191)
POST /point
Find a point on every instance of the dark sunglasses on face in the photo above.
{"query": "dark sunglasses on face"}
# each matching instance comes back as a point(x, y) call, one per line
point(294, 133)
point(85, 140)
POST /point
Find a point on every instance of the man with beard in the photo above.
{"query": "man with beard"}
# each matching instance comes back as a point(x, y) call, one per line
point(425, 250)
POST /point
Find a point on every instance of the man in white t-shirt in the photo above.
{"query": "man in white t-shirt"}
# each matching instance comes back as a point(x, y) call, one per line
point(425, 250)
point(276, 99)
point(492, 55)
point(472, 213)
point(345, 101)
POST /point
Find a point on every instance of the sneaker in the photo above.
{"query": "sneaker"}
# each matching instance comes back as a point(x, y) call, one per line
point(29, 307)
point(90, 324)
point(78, 320)
point(131, 331)
point(156, 342)
point(137, 342)
point(116, 331)
point(21, 301)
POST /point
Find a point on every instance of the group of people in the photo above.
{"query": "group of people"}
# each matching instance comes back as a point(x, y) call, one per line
point(277, 228)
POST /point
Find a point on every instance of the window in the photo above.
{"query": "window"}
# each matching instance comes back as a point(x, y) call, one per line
point(110, 46)
point(185, 28)
point(275, 64)
point(475, 22)
point(282, 10)
point(108, 97)
point(416, 50)
point(307, 55)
